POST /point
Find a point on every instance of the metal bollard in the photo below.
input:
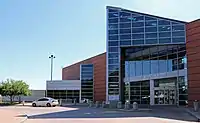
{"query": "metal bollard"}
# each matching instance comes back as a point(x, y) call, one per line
point(23, 102)
point(135, 106)
point(97, 104)
point(90, 103)
point(127, 105)
point(196, 105)
point(60, 102)
point(74, 101)
point(103, 105)
point(119, 105)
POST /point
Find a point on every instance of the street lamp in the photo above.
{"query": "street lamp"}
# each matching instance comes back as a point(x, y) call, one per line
point(51, 57)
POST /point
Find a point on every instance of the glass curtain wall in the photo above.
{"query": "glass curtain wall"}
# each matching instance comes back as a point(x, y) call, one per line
point(127, 28)
point(63, 94)
point(149, 60)
point(87, 81)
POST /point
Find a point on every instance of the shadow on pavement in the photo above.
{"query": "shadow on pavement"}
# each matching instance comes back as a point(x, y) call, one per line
point(84, 112)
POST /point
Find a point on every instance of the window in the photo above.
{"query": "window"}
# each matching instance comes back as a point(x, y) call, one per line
point(125, 37)
point(113, 73)
point(137, 36)
point(111, 85)
point(87, 65)
point(113, 20)
point(123, 31)
point(146, 67)
point(113, 79)
point(114, 37)
point(113, 67)
point(175, 40)
point(113, 61)
point(125, 14)
point(179, 33)
point(151, 41)
point(113, 49)
point(150, 18)
point(163, 22)
point(113, 26)
point(151, 35)
point(165, 40)
point(113, 32)
point(137, 30)
point(43, 99)
point(136, 42)
point(113, 15)
point(125, 19)
point(178, 28)
point(113, 55)
point(138, 24)
point(164, 28)
point(138, 68)
point(151, 23)
point(139, 18)
point(125, 43)
point(164, 34)
point(154, 66)
point(125, 25)
point(113, 43)
point(112, 10)
point(151, 29)
point(87, 68)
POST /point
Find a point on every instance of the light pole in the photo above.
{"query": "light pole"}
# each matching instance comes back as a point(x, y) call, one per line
point(51, 57)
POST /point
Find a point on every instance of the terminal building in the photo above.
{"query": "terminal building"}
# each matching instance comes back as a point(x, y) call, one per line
point(148, 59)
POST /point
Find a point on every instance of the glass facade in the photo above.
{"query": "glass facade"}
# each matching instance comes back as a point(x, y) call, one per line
point(63, 94)
point(155, 43)
point(145, 60)
point(86, 81)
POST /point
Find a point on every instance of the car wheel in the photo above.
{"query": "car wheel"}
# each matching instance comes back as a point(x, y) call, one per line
point(48, 105)
point(54, 105)
point(34, 105)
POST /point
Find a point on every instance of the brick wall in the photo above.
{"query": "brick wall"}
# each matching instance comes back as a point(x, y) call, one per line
point(193, 59)
point(72, 72)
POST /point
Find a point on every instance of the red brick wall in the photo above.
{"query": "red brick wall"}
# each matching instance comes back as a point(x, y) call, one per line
point(193, 58)
point(72, 72)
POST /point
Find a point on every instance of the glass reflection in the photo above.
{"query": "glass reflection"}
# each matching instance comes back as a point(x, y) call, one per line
point(140, 61)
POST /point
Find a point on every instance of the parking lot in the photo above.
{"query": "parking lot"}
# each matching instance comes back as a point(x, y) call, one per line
point(87, 115)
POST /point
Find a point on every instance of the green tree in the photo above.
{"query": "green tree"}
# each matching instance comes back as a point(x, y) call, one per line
point(13, 88)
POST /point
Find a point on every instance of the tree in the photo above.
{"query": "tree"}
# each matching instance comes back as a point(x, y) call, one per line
point(14, 88)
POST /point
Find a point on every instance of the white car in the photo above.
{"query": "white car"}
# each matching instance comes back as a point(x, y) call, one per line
point(45, 101)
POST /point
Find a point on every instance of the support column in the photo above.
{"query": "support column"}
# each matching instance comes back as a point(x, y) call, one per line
point(151, 92)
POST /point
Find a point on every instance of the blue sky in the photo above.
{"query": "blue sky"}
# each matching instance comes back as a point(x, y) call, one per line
point(30, 30)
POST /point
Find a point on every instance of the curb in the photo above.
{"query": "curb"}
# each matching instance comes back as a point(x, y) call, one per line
point(26, 118)
point(193, 114)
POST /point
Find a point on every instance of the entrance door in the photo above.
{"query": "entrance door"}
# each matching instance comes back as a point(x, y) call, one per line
point(164, 95)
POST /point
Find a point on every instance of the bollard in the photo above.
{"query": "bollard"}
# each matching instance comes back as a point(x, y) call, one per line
point(90, 103)
point(103, 105)
point(60, 102)
point(97, 104)
point(127, 105)
point(135, 106)
point(23, 102)
point(74, 101)
point(196, 105)
point(119, 105)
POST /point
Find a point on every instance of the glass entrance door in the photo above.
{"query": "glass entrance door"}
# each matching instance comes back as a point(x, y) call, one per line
point(164, 95)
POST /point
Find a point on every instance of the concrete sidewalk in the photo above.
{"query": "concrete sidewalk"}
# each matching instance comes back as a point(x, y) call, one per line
point(8, 116)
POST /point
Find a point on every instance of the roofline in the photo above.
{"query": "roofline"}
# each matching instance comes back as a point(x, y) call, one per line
point(194, 21)
point(111, 7)
point(84, 60)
